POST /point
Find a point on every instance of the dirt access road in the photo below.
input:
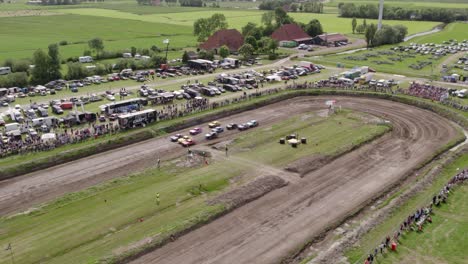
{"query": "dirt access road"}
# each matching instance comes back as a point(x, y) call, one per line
point(271, 227)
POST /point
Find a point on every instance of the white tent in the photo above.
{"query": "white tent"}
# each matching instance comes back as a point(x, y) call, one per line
point(48, 137)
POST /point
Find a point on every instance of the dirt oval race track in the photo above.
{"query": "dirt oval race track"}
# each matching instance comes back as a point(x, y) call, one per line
point(271, 227)
point(268, 229)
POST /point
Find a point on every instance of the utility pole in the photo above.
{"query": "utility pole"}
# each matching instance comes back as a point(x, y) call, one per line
point(379, 26)
point(166, 41)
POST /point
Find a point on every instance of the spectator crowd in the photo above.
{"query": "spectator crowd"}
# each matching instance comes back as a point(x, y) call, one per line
point(416, 221)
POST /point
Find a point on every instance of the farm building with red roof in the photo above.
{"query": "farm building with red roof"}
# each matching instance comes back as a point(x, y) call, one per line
point(331, 39)
point(291, 32)
point(232, 38)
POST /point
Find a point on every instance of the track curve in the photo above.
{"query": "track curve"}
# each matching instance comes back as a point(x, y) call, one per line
point(271, 227)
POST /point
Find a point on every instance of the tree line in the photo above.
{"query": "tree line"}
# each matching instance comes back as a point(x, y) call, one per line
point(314, 6)
point(386, 35)
point(256, 37)
point(45, 66)
point(401, 13)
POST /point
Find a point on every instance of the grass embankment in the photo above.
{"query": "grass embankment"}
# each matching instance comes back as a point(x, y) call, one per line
point(83, 228)
point(443, 241)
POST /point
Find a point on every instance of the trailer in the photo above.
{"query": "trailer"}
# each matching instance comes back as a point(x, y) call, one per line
point(140, 118)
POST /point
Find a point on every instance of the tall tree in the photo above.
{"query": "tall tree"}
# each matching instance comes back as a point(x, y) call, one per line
point(354, 24)
point(54, 62)
point(370, 35)
point(224, 51)
point(204, 27)
point(40, 72)
point(246, 51)
point(96, 44)
point(252, 41)
point(273, 46)
point(314, 28)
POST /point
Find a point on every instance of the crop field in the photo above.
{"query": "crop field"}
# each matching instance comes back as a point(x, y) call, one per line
point(238, 19)
point(442, 241)
point(123, 214)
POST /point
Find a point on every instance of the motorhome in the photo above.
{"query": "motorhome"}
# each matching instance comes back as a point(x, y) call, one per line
point(85, 59)
point(5, 70)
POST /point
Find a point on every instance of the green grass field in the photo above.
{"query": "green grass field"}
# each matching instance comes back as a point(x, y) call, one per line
point(408, 3)
point(443, 241)
point(326, 136)
point(452, 31)
point(82, 228)
point(23, 35)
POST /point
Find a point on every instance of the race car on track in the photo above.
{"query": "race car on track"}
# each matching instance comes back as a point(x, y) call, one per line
point(211, 135)
point(214, 124)
point(195, 131)
point(176, 137)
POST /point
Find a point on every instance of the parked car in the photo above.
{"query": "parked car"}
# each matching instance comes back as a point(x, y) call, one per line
point(195, 131)
point(214, 124)
point(110, 97)
point(252, 123)
point(57, 110)
point(188, 143)
point(183, 138)
point(243, 127)
point(176, 137)
point(211, 135)
point(218, 129)
point(231, 126)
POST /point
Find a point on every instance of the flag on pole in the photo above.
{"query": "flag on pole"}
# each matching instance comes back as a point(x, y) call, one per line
point(9, 247)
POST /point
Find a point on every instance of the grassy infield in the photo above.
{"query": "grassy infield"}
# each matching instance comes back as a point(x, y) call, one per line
point(81, 227)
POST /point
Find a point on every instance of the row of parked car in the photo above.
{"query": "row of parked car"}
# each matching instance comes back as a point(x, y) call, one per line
point(215, 128)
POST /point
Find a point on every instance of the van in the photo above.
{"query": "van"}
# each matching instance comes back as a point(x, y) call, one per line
point(5, 70)
point(127, 55)
point(462, 93)
point(11, 127)
point(85, 59)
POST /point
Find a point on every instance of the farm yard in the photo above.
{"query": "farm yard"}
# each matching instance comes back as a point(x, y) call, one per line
point(234, 145)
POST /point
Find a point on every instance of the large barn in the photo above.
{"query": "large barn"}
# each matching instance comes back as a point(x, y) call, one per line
point(329, 39)
point(232, 38)
point(291, 32)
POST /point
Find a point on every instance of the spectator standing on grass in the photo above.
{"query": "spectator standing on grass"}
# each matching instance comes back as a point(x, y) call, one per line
point(226, 150)
point(159, 163)
point(157, 199)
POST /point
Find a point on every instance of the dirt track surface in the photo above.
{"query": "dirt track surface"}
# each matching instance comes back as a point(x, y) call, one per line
point(272, 226)
point(29, 190)
point(268, 229)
